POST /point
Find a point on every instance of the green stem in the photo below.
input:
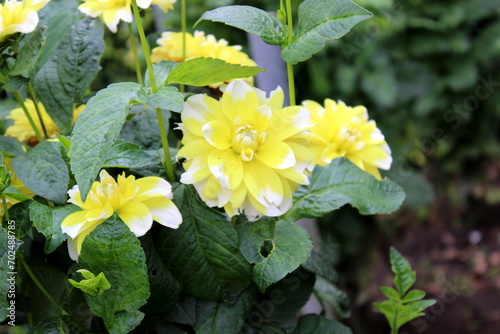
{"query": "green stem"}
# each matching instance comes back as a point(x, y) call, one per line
point(31, 91)
point(133, 45)
point(159, 114)
point(289, 66)
point(39, 285)
point(5, 209)
point(19, 99)
point(394, 330)
point(182, 88)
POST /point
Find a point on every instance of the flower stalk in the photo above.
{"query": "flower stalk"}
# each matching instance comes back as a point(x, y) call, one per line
point(19, 99)
point(39, 285)
point(5, 209)
point(289, 66)
point(31, 91)
point(133, 45)
point(159, 114)
point(184, 30)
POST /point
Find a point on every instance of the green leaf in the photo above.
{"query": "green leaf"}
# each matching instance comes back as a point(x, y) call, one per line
point(92, 284)
point(342, 182)
point(111, 248)
point(203, 253)
point(405, 277)
point(414, 295)
point(328, 292)
point(250, 19)
point(288, 245)
point(58, 16)
point(65, 141)
point(320, 265)
point(203, 71)
point(390, 293)
point(168, 98)
point(127, 155)
point(165, 290)
point(20, 214)
point(48, 221)
point(15, 194)
point(96, 130)
point(28, 54)
point(212, 317)
point(52, 279)
point(284, 299)
point(43, 171)
point(317, 324)
point(67, 75)
point(10, 147)
point(143, 128)
point(319, 21)
point(399, 310)
point(161, 71)
point(53, 325)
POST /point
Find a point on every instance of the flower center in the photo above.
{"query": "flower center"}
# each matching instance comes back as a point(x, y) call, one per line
point(246, 141)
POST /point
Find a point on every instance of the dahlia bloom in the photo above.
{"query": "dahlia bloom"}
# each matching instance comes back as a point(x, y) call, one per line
point(137, 202)
point(199, 45)
point(16, 183)
point(165, 5)
point(342, 131)
point(22, 129)
point(246, 152)
point(20, 16)
point(112, 11)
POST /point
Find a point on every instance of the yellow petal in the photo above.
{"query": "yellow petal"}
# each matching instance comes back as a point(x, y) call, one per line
point(218, 134)
point(263, 183)
point(73, 223)
point(152, 186)
point(164, 211)
point(137, 216)
point(198, 110)
point(276, 155)
point(227, 167)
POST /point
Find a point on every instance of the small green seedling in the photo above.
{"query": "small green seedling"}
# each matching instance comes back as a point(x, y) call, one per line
point(403, 305)
point(93, 285)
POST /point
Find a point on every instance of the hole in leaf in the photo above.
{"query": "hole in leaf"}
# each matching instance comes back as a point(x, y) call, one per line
point(266, 247)
point(154, 272)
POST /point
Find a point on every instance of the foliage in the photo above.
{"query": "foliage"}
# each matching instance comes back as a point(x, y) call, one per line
point(404, 304)
point(218, 272)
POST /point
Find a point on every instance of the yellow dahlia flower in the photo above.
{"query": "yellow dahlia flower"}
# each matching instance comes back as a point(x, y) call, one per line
point(22, 129)
point(342, 131)
point(16, 183)
point(19, 16)
point(199, 45)
point(137, 202)
point(111, 11)
point(165, 5)
point(245, 152)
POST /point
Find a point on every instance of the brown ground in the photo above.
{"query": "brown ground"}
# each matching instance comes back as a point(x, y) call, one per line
point(456, 254)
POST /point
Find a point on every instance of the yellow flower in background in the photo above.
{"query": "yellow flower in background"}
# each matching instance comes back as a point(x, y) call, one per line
point(137, 202)
point(22, 129)
point(246, 152)
point(19, 16)
point(199, 45)
point(165, 5)
point(342, 131)
point(16, 183)
point(111, 11)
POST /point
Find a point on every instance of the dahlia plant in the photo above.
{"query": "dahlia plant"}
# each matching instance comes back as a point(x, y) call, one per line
point(224, 168)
